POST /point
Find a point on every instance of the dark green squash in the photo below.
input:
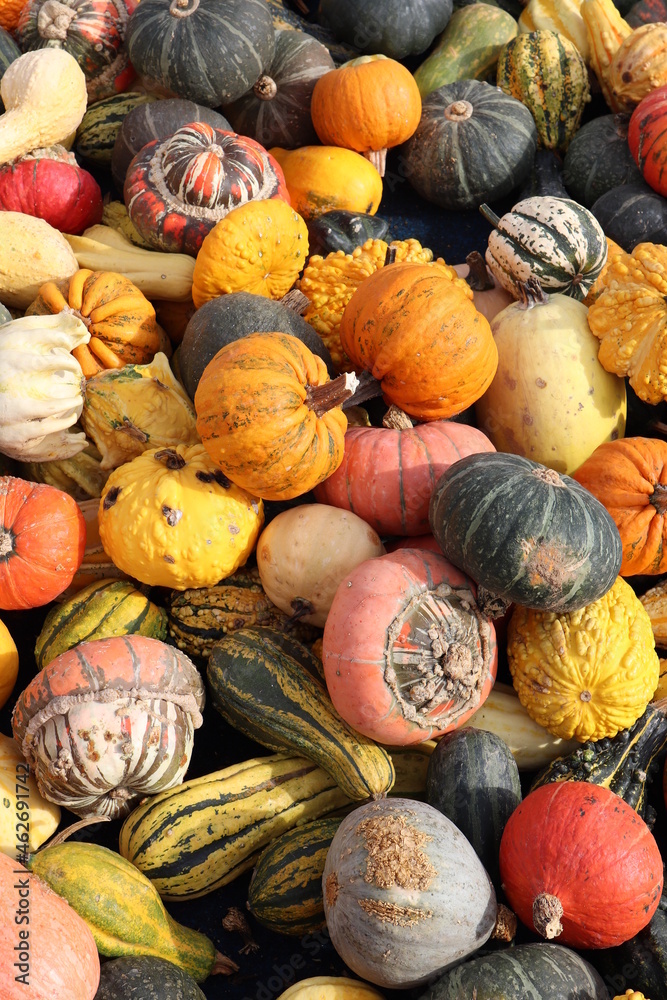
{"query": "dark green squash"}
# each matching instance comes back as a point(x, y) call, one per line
point(545, 179)
point(620, 764)
point(341, 230)
point(641, 962)
point(539, 971)
point(156, 120)
point(598, 159)
point(473, 144)
point(285, 17)
point(395, 28)
point(524, 533)
point(96, 135)
point(261, 682)
point(646, 12)
point(276, 111)
point(632, 214)
point(285, 891)
point(473, 779)
point(222, 320)
point(140, 977)
point(209, 51)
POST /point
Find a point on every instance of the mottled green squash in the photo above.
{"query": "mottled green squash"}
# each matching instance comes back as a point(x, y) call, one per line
point(143, 977)
point(96, 135)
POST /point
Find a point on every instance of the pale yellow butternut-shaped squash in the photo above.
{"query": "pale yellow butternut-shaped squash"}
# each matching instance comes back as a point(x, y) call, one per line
point(44, 93)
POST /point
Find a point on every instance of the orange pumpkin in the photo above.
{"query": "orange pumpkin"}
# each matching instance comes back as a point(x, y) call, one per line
point(269, 416)
point(326, 178)
point(416, 329)
point(629, 478)
point(121, 320)
point(369, 104)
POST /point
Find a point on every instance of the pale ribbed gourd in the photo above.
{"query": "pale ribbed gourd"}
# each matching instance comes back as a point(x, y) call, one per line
point(563, 16)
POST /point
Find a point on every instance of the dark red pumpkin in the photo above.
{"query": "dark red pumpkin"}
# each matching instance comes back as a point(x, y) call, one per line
point(42, 542)
point(176, 189)
point(51, 186)
point(92, 31)
point(647, 138)
point(388, 475)
point(578, 864)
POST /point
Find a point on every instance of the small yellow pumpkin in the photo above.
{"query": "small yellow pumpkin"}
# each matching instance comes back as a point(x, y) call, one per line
point(26, 819)
point(260, 247)
point(330, 988)
point(587, 674)
point(170, 518)
point(631, 994)
point(9, 664)
point(326, 178)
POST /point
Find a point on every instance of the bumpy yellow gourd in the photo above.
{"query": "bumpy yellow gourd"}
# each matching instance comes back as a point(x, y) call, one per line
point(330, 988)
point(563, 16)
point(22, 827)
point(631, 995)
point(588, 674)
point(170, 518)
point(630, 320)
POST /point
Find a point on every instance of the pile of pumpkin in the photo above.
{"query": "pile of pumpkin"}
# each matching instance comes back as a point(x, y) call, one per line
point(253, 452)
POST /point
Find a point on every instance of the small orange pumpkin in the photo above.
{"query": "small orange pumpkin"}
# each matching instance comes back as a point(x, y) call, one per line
point(326, 178)
point(415, 327)
point(369, 104)
point(269, 416)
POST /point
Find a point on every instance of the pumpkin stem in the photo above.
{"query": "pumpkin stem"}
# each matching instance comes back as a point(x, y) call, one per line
point(492, 605)
point(621, 123)
point(223, 966)
point(396, 419)
point(547, 911)
point(659, 498)
point(532, 294)
point(300, 608)
point(368, 388)
point(506, 924)
point(322, 398)
point(54, 19)
point(390, 256)
point(548, 476)
point(6, 542)
point(183, 8)
point(234, 920)
point(65, 834)
point(490, 215)
point(296, 301)
point(265, 88)
point(459, 111)
point(378, 157)
point(478, 278)
point(170, 458)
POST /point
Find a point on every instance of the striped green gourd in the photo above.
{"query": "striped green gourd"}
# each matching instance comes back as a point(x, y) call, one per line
point(546, 72)
point(285, 891)
point(123, 910)
point(96, 135)
point(262, 683)
point(99, 611)
point(555, 241)
point(200, 835)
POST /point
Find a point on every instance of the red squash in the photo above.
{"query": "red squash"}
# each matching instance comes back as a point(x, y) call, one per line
point(647, 138)
point(407, 653)
point(50, 185)
point(42, 542)
point(579, 865)
point(388, 475)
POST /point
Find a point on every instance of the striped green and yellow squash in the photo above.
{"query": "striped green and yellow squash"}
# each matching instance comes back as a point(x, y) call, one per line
point(123, 910)
point(262, 682)
point(105, 608)
point(411, 766)
point(194, 838)
point(546, 72)
point(96, 135)
point(285, 891)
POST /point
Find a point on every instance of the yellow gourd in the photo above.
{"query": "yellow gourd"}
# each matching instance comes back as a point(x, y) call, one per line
point(606, 29)
point(587, 674)
point(324, 178)
point(639, 65)
point(631, 995)
point(330, 988)
point(563, 16)
point(31, 253)
point(9, 663)
point(22, 828)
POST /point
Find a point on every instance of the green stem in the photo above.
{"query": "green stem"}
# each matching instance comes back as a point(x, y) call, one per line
point(490, 215)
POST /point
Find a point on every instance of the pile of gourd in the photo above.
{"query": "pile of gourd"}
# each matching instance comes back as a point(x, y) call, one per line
point(251, 453)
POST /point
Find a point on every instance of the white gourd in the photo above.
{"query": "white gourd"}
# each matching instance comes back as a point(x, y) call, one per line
point(31, 253)
point(44, 93)
point(41, 387)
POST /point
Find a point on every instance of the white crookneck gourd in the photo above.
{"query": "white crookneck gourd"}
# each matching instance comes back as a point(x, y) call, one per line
point(41, 387)
point(44, 93)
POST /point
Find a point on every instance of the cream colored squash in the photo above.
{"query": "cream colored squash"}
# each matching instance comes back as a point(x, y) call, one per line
point(330, 988)
point(38, 821)
point(31, 253)
point(44, 93)
point(41, 387)
point(563, 16)
point(551, 400)
point(305, 552)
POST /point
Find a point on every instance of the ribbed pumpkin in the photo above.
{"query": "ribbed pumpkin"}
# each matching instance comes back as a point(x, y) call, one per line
point(170, 518)
point(646, 138)
point(369, 104)
point(417, 331)
point(42, 540)
point(630, 320)
point(210, 51)
point(459, 157)
point(407, 653)
point(631, 214)
point(388, 473)
point(260, 248)
point(545, 71)
point(403, 27)
point(282, 429)
point(560, 549)
point(108, 722)
point(326, 178)
point(598, 159)
point(639, 66)
point(119, 317)
point(178, 188)
point(589, 673)
point(51, 185)
point(580, 865)
point(276, 111)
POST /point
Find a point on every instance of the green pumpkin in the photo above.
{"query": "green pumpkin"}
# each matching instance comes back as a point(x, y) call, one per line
point(394, 28)
point(342, 230)
point(546, 72)
point(632, 213)
point(143, 977)
point(96, 135)
point(599, 159)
